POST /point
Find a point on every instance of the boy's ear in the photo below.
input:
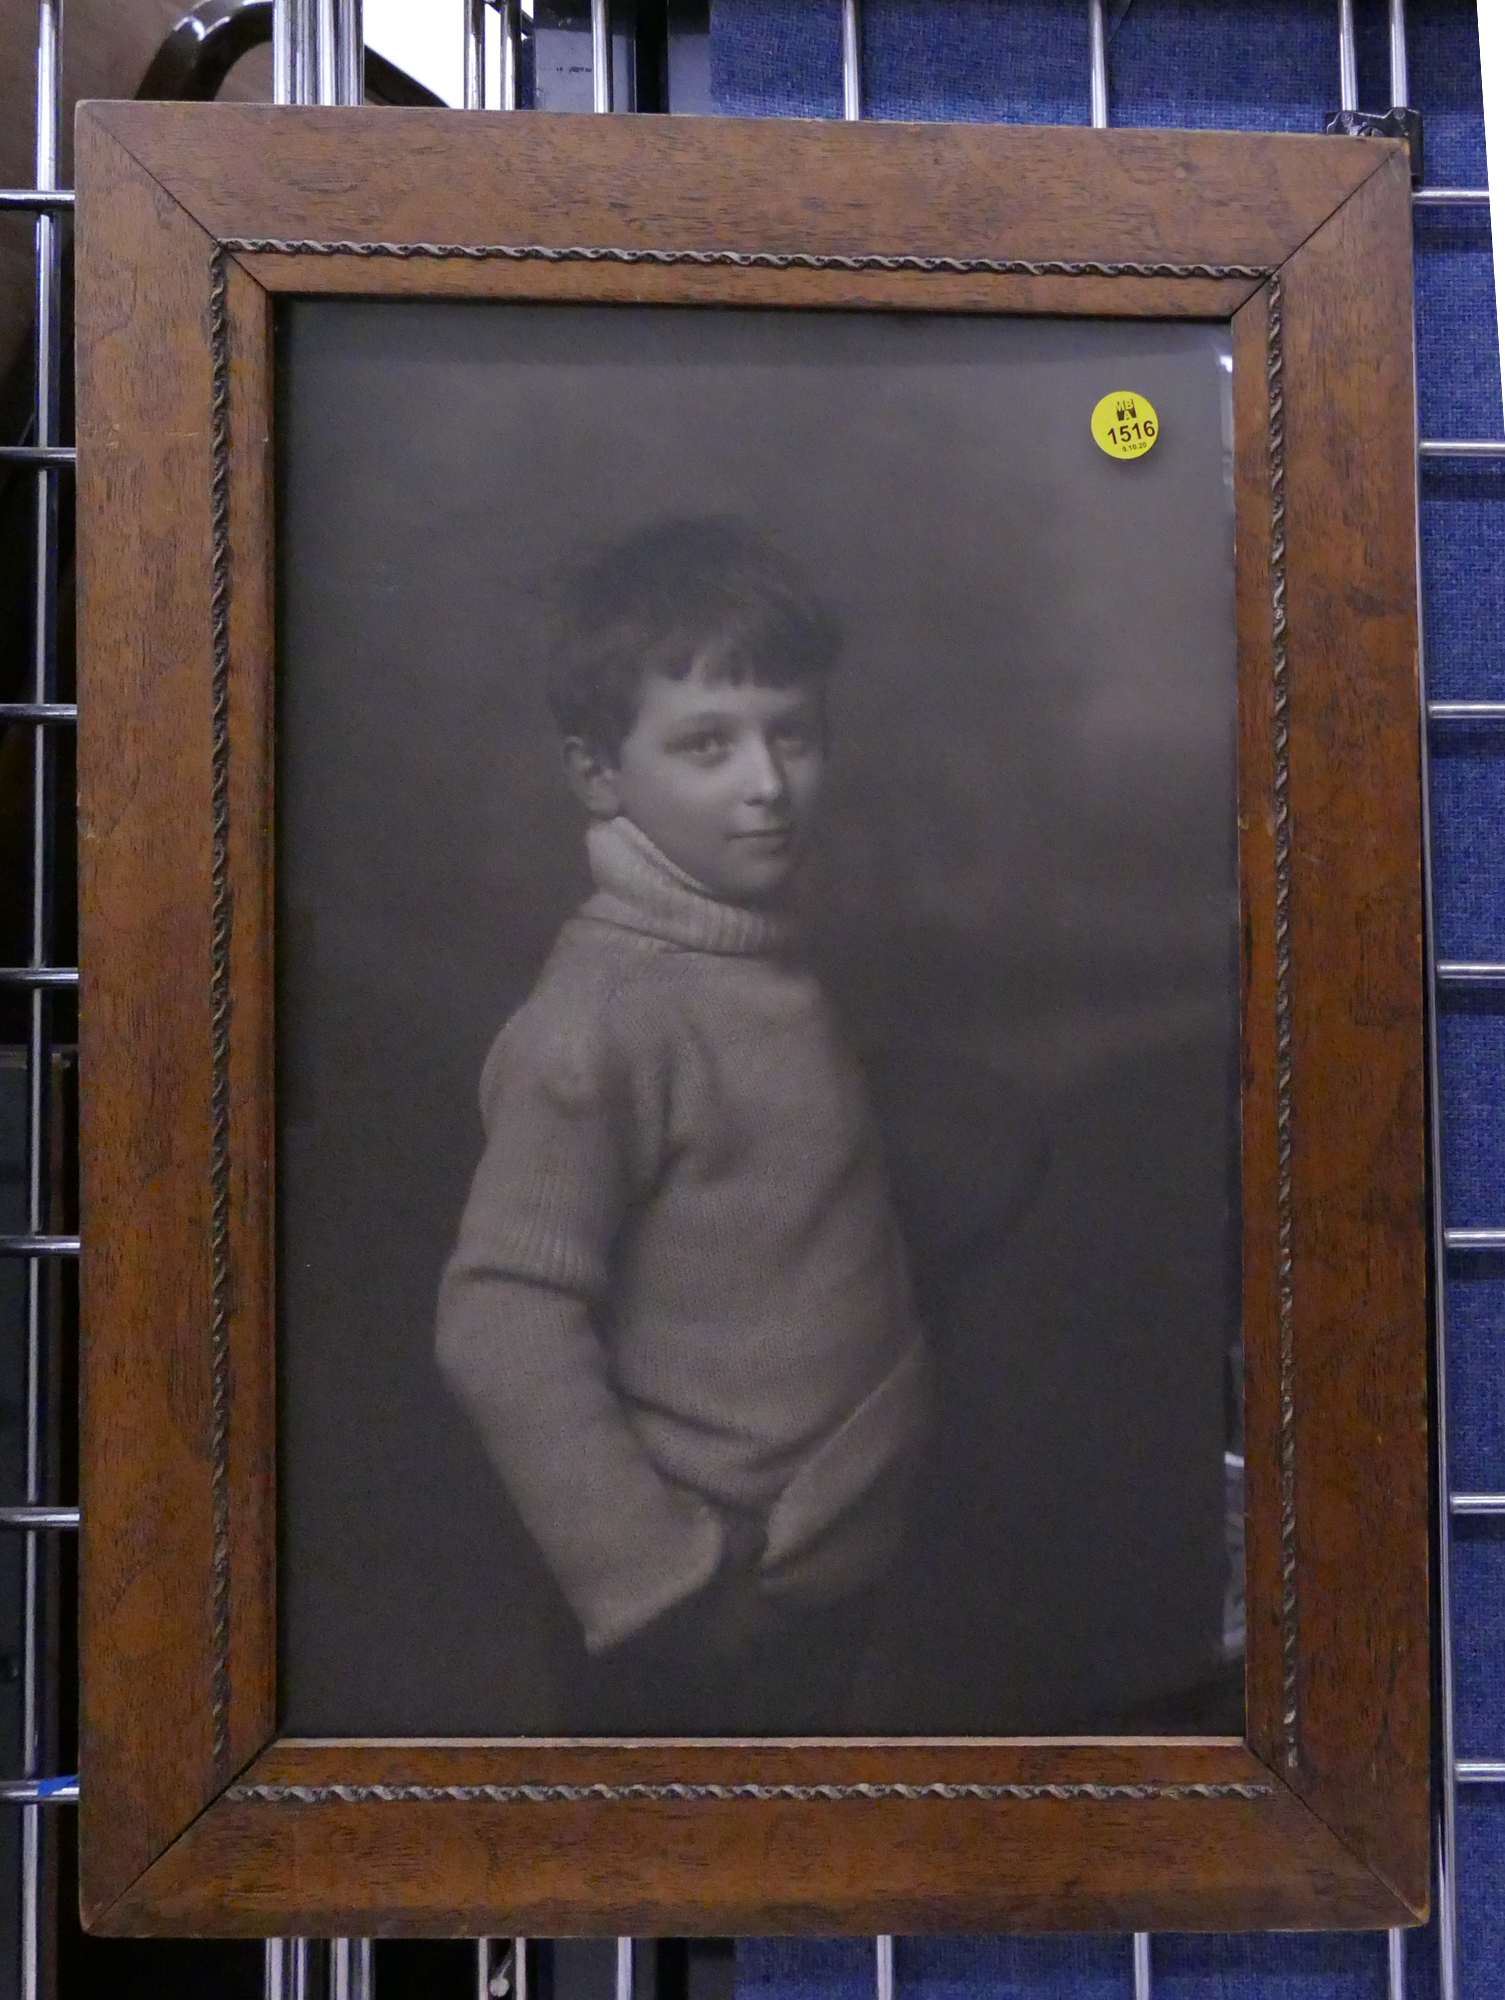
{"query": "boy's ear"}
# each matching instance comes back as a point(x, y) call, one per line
point(592, 778)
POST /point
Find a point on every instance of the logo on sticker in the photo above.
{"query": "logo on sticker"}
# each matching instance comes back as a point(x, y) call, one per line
point(1124, 424)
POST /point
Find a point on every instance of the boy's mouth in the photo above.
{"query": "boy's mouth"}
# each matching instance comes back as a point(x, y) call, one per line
point(770, 837)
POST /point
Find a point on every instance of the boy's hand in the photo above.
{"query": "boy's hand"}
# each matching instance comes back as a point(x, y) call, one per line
point(732, 1604)
point(724, 1617)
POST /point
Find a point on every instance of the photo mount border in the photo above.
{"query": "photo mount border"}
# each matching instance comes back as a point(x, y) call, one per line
point(222, 901)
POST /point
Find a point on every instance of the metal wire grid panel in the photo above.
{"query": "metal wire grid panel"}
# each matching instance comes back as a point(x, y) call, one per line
point(317, 59)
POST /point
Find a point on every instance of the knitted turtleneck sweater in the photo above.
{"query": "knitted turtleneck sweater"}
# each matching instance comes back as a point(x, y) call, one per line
point(678, 1291)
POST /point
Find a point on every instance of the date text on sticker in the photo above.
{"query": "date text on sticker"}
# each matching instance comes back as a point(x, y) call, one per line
point(1125, 425)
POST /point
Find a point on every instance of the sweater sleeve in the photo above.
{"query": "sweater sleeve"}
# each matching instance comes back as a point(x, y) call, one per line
point(519, 1349)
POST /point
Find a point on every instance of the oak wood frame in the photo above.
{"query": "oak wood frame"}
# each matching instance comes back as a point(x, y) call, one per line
point(192, 220)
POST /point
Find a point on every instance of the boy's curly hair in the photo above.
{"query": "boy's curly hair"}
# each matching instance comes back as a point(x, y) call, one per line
point(710, 590)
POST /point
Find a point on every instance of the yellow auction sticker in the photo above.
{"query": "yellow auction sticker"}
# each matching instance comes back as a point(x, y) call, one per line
point(1125, 424)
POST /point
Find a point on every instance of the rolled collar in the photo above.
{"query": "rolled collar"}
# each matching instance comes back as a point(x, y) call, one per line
point(640, 889)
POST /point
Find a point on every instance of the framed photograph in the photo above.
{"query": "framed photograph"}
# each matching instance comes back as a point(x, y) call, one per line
point(752, 1028)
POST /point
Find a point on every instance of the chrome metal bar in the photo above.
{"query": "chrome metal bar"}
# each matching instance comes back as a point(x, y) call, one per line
point(883, 1967)
point(1400, 79)
point(325, 88)
point(39, 201)
point(38, 1517)
point(1466, 711)
point(38, 711)
point(1445, 1823)
point(350, 52)
point(38, 975)
point(350, 1969)
point(297, 13)
point(1461, 448)
point(1395, 1963)
point(300, 1966)
point(1348, 59)
point(1477, 1503)
point(283, 81)
point(36, 1243)
point(1457, 973)
point(31, 1793)
point(305, 52)
point(624, 1986)
point(1097, 64)
point(502, 1968)
point(1461, 1241)
point(600, 55)
point(46, 423)
point(475, 55)
point(851, 60)
point(1144, 1971)
point(38, 454)
point(1447, 197)
point(1480, 1770)
point(508, 11)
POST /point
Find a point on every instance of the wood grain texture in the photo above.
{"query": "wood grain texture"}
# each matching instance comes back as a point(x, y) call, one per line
point(473, 1867)
point(744, 184)
point(1358, 1125)
point(605, 284)
point(251, 1523)
point(143, 608)
point(1351, 1848)
point(1258, 1136)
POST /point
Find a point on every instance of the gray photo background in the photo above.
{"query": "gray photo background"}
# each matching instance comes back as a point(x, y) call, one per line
point(1023, 902)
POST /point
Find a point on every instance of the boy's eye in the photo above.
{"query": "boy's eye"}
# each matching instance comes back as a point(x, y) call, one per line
point(703, 743)
point(794, 736)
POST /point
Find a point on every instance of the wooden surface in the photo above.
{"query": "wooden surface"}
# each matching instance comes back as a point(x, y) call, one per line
point(252, 1483)
point(608, 284)
point(471, 1867)
point(1358, 1129)
point(1336, 1835)
point(1259, 1136)
point(744, 184)
point(143, 612)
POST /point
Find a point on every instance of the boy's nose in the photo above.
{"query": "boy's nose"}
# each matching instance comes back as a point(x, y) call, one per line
point(763, 778)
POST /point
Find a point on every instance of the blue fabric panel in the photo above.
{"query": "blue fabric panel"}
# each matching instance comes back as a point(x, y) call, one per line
point(1266, 68)
point(1472, 1044)
point(1047, 1968)
point(1478, 1656)
point(1457, 354)
point(805, 1968)
point(1009, 61)
point(1277, 1965)
point(1442, 39)
point(939, 1968)
point(1463, 578)
point(1468, 828)
point(776, 58)
point(1422, 1976)
point(1481, 1892)
point(1476, 1380)
point(1268, 65)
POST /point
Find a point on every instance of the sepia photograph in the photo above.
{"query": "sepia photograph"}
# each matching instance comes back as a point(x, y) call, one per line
point(757, 1024)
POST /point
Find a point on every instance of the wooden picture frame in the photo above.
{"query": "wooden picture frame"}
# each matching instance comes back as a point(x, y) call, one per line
point(196, 1816)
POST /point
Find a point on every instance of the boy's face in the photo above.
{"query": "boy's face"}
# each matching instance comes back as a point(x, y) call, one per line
point(723, 779)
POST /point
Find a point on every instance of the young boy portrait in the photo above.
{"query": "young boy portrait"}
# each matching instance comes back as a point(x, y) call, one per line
point(678, 1312)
